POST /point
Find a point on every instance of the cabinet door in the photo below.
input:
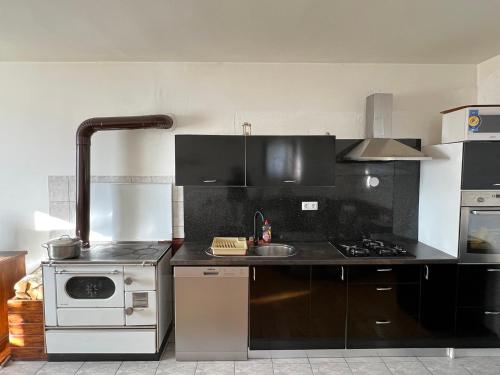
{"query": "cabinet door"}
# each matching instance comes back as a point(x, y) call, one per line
point(328, 307)
point(437, 317)
point(279, 307)
point(478, 328)
point(479, 285)
point(481, 165)
point(290, 160)
point(210, 160)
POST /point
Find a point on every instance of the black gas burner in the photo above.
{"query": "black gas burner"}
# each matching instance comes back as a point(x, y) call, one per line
point(372, 248)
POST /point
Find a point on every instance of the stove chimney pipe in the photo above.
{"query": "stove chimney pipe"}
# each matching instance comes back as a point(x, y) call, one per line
point(83, 135)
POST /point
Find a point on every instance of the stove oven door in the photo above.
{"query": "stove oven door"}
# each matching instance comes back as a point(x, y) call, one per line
point(89, 286)
point(480, 234)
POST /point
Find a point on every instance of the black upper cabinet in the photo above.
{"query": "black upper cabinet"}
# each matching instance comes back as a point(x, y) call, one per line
point(437, 318)
point(211, 160)
point(481, 165)
point(290, 160)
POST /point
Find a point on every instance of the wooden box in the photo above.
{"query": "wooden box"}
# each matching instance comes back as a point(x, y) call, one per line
point(26, 329)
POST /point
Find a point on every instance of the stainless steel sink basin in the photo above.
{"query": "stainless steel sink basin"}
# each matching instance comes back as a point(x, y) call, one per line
point(274, 250)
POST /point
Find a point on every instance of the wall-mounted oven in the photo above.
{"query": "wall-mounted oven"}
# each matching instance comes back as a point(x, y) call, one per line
point(480, 227)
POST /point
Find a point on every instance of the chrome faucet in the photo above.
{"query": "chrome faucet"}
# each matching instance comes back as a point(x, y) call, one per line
point(255, 238)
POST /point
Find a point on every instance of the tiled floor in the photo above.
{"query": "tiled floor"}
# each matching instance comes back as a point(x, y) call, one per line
point(276, 366)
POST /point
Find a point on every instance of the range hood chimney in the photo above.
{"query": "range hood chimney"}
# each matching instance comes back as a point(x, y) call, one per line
point(380, 146)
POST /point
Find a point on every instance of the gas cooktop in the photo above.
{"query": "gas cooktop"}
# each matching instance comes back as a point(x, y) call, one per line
point(120, 252)
point(372, 248)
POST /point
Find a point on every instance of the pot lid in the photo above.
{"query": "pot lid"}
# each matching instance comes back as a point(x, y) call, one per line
point(63, 241)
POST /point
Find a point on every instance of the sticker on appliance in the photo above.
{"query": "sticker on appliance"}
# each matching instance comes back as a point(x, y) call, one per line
point(474, 120)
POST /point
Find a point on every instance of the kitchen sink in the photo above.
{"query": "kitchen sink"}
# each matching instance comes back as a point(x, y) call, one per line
point(274, 250)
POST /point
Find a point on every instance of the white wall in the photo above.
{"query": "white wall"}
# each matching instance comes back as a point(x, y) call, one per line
point(42, 104)
point(488, 81)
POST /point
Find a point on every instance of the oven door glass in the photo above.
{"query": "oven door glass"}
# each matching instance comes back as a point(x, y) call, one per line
point(90, 286)
point(480, 235)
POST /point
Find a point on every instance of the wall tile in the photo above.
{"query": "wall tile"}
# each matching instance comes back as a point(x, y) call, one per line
point(58, 188)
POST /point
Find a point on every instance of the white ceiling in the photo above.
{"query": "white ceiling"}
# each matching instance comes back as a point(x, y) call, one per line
point(398, 31)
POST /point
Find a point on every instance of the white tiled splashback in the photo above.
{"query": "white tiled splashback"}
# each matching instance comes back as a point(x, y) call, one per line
point(62, 196)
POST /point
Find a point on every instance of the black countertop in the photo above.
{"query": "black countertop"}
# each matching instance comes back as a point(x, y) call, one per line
point(308, 253)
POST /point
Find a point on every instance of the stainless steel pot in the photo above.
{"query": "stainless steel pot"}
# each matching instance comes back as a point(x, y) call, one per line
point(64, 247)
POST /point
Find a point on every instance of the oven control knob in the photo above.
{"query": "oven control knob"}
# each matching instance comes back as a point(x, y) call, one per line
point(129, 311)
point(128, 280)
point(480, 199)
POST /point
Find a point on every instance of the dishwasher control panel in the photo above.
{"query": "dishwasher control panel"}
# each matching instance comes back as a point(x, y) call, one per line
point(211, 271)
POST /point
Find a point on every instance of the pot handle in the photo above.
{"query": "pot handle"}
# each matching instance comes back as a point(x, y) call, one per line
point(45, 245)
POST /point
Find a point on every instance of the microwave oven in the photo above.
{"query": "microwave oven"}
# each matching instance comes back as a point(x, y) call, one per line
point(471, 123)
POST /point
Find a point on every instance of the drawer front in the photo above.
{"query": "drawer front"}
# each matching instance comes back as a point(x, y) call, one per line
point(90, 317)
point(27, 329)
point(478, 327)
point(26, 341)
point(139, 278)
point(392, 274)
point(382, 315)
point(27, 317)
point(479, 286)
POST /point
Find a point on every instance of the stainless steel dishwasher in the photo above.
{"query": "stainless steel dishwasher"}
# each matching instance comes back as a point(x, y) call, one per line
point(211, 313)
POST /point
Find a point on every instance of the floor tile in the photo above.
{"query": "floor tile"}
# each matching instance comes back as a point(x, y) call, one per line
point(314, 361)
point(486, 368)
point(22, 368)
point(99, 368)
point(369, 368)
point(331, 368)
point(60, 368)
point(215, 368)
point(292, 369)
point(138, 368)
point(173, 367)
point(407, 368)
point(323, 353)
point(280, 361)
point(399, 359)
point(443, 366)
point(363, 359)
point(254, 367)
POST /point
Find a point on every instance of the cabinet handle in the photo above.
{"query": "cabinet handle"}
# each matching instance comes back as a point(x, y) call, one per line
point(381, 322)
point(209, 181)
point(290, 181)
point(384, 289)
point(342, 273)
point(492, 313)
point(426, 272)
point(384, 269)
point(493, 270)
point(253, 273)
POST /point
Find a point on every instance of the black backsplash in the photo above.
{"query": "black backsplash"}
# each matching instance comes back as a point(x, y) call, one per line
point(349, 210)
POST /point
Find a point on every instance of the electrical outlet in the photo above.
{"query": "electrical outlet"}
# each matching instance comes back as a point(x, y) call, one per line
point(309, 206)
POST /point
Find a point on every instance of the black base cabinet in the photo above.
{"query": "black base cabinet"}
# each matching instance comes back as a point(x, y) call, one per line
point(279, 307)
point(478, 312)
point(383, 307)
point(328, 307)
point(438, 302)
point(369, 306)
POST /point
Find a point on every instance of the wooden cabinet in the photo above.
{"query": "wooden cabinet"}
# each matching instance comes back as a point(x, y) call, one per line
point(210, 160)
point(438, 301)
point(279, 307)
point(478, 312)
point(12, 269)
point(328, 307)
point(290, 160)
point(26, 330)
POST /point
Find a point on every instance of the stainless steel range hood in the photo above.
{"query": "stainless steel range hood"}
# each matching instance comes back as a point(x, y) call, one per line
point(380, 146)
